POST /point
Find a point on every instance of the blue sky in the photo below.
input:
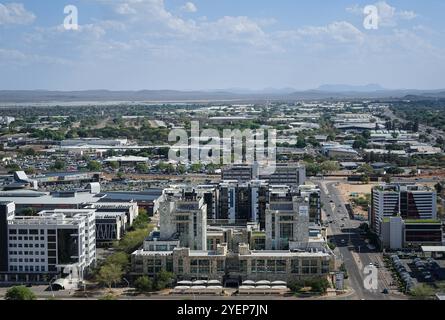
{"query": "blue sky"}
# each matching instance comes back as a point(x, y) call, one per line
point(217, 44)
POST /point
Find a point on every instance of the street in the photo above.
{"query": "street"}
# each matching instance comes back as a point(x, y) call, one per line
point(352, 249)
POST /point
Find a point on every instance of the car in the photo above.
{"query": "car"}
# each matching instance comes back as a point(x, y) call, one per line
point(343, 240)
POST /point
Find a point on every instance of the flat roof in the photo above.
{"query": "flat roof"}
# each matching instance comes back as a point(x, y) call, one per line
point(433, 248)
point(42, 198)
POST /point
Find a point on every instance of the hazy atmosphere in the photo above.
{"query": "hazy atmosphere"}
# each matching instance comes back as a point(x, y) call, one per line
point(207, 45)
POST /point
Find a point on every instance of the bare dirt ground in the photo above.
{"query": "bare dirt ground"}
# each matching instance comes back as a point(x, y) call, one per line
point(359, 190)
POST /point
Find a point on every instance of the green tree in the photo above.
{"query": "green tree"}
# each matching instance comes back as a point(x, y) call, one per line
point(365, 179)
point(366, 169)
point(59, 165)
point(109, 274)
point(329, 166)
point(143, 284)
point(113, 165)
point(19, 293)
point(94, 166)
point(12, 167)
point(181, 169)
point(163, 280)
point(142, 168)
point(30, 170)
point(120, 259)
point(142, 220)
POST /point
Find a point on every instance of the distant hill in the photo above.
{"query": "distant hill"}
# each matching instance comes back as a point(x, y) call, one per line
point(242, 95)
point(350, 88)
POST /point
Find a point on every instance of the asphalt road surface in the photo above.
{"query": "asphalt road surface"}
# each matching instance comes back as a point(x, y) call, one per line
point(354, 251)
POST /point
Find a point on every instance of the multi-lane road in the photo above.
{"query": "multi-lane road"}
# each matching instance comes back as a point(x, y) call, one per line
point(354, 251)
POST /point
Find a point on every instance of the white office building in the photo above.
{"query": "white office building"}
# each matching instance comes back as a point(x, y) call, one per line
point(54, 244)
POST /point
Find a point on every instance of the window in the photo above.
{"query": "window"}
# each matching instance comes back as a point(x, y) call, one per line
point(221, 266)
point(12, 231)
point(33, 231)
point(243, 266)
point(23, 231)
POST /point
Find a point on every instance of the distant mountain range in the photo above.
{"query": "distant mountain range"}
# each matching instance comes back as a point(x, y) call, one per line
point(349, 88)
point(371, 91)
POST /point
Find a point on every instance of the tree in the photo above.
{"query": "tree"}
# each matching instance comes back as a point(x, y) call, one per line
point(113, 165)
point(329, 166)
point(94, 166)
point(143, 284)
point(366, 169)
point(30, 170)
point(109, 274)
point(120, 259)
point(59, 165)
point(19, 293)
point(12, 167)
point(365, 179)
point(387, 178)
point(320, 285)
point(439, 188)
point(141, 168)
point(181, 169)
point(163, 279)
point(142, 220)
point(301, 143)
point(312, 169)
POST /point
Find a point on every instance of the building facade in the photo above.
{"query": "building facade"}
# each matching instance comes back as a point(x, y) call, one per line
point(53, 244)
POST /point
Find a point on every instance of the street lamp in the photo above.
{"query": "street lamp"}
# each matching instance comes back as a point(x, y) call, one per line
point(51, 286)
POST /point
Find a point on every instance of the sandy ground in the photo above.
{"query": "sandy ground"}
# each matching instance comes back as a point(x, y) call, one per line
point(360, 190)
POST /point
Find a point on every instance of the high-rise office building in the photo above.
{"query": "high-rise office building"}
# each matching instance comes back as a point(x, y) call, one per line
point(409, 201)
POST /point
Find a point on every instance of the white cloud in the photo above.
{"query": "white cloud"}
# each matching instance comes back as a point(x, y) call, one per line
point(407, 15)
point(388, 15)
point(339, 31)
point(189, 7)
point(15, 13)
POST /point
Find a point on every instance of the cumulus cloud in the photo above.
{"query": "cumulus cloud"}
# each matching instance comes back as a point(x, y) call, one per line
point(16, 14)
point(388, 15)
point(189, 7)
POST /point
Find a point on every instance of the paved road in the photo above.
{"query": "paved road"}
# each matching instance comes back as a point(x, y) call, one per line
point(353, 250)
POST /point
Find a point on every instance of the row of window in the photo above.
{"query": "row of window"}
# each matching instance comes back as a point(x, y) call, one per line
point(26, 245)
point(31, 231)
point(26, 260)
point(26, 238)
point(28, 268)
point(26, 253)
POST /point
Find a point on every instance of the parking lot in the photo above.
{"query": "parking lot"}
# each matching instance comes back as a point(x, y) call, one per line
point(413, 270)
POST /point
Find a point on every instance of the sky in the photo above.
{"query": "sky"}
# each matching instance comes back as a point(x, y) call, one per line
point(220, 44)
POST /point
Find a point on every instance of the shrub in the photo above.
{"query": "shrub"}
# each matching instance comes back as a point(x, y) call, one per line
point(20, 293)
